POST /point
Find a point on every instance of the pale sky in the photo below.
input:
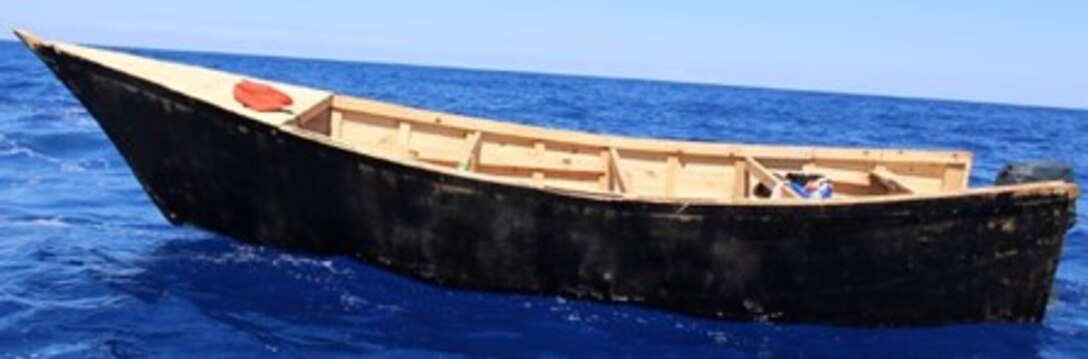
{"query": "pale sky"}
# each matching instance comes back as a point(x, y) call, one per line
point(1005, 51)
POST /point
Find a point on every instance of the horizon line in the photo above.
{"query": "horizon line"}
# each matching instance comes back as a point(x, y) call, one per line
point(1068, 108)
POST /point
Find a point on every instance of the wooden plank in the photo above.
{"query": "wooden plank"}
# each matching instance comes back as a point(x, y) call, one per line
point(740, 179)
point(761, 173)
point(314, 113)
point(672, 170)
point(543, 167)
point(767, 178)
point(617, 169)
point(526, 156)
point(955, 178)
point(890, 181)
point(844, 176)
point(336, 124)
point(435, 155)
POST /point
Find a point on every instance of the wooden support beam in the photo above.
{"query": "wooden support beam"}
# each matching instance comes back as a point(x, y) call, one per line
point(890, 181)
point(767, 178)
point(672, 170)
point(336, 124)
point(605, 180)
point(471, 157)
point(617, 169)
point(740, 179)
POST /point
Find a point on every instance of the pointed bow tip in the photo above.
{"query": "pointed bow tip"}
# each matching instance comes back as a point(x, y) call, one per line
point(32, 42)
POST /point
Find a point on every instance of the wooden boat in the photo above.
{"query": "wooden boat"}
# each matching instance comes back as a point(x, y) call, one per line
point(490, 205)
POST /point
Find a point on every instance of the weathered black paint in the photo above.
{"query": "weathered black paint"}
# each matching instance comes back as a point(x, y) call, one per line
point(952, 260)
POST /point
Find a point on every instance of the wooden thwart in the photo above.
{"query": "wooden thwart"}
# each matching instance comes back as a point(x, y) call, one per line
point(890, 181)
point(767, 178)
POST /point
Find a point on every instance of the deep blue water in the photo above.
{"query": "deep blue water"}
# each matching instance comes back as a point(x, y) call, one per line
point(88, 267)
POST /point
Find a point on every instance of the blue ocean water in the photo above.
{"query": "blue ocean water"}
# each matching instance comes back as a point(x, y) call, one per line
point(88, 267)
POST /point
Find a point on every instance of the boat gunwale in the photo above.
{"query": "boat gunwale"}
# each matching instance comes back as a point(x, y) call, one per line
point(638, 143)
point(1058, 188)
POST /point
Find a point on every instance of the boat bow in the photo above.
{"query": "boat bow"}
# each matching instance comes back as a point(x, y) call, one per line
point(211, 86)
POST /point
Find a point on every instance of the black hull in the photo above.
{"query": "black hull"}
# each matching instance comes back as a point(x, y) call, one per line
point(921, 262)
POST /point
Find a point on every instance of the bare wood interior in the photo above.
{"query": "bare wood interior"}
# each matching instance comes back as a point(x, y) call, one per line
point(630, 167)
